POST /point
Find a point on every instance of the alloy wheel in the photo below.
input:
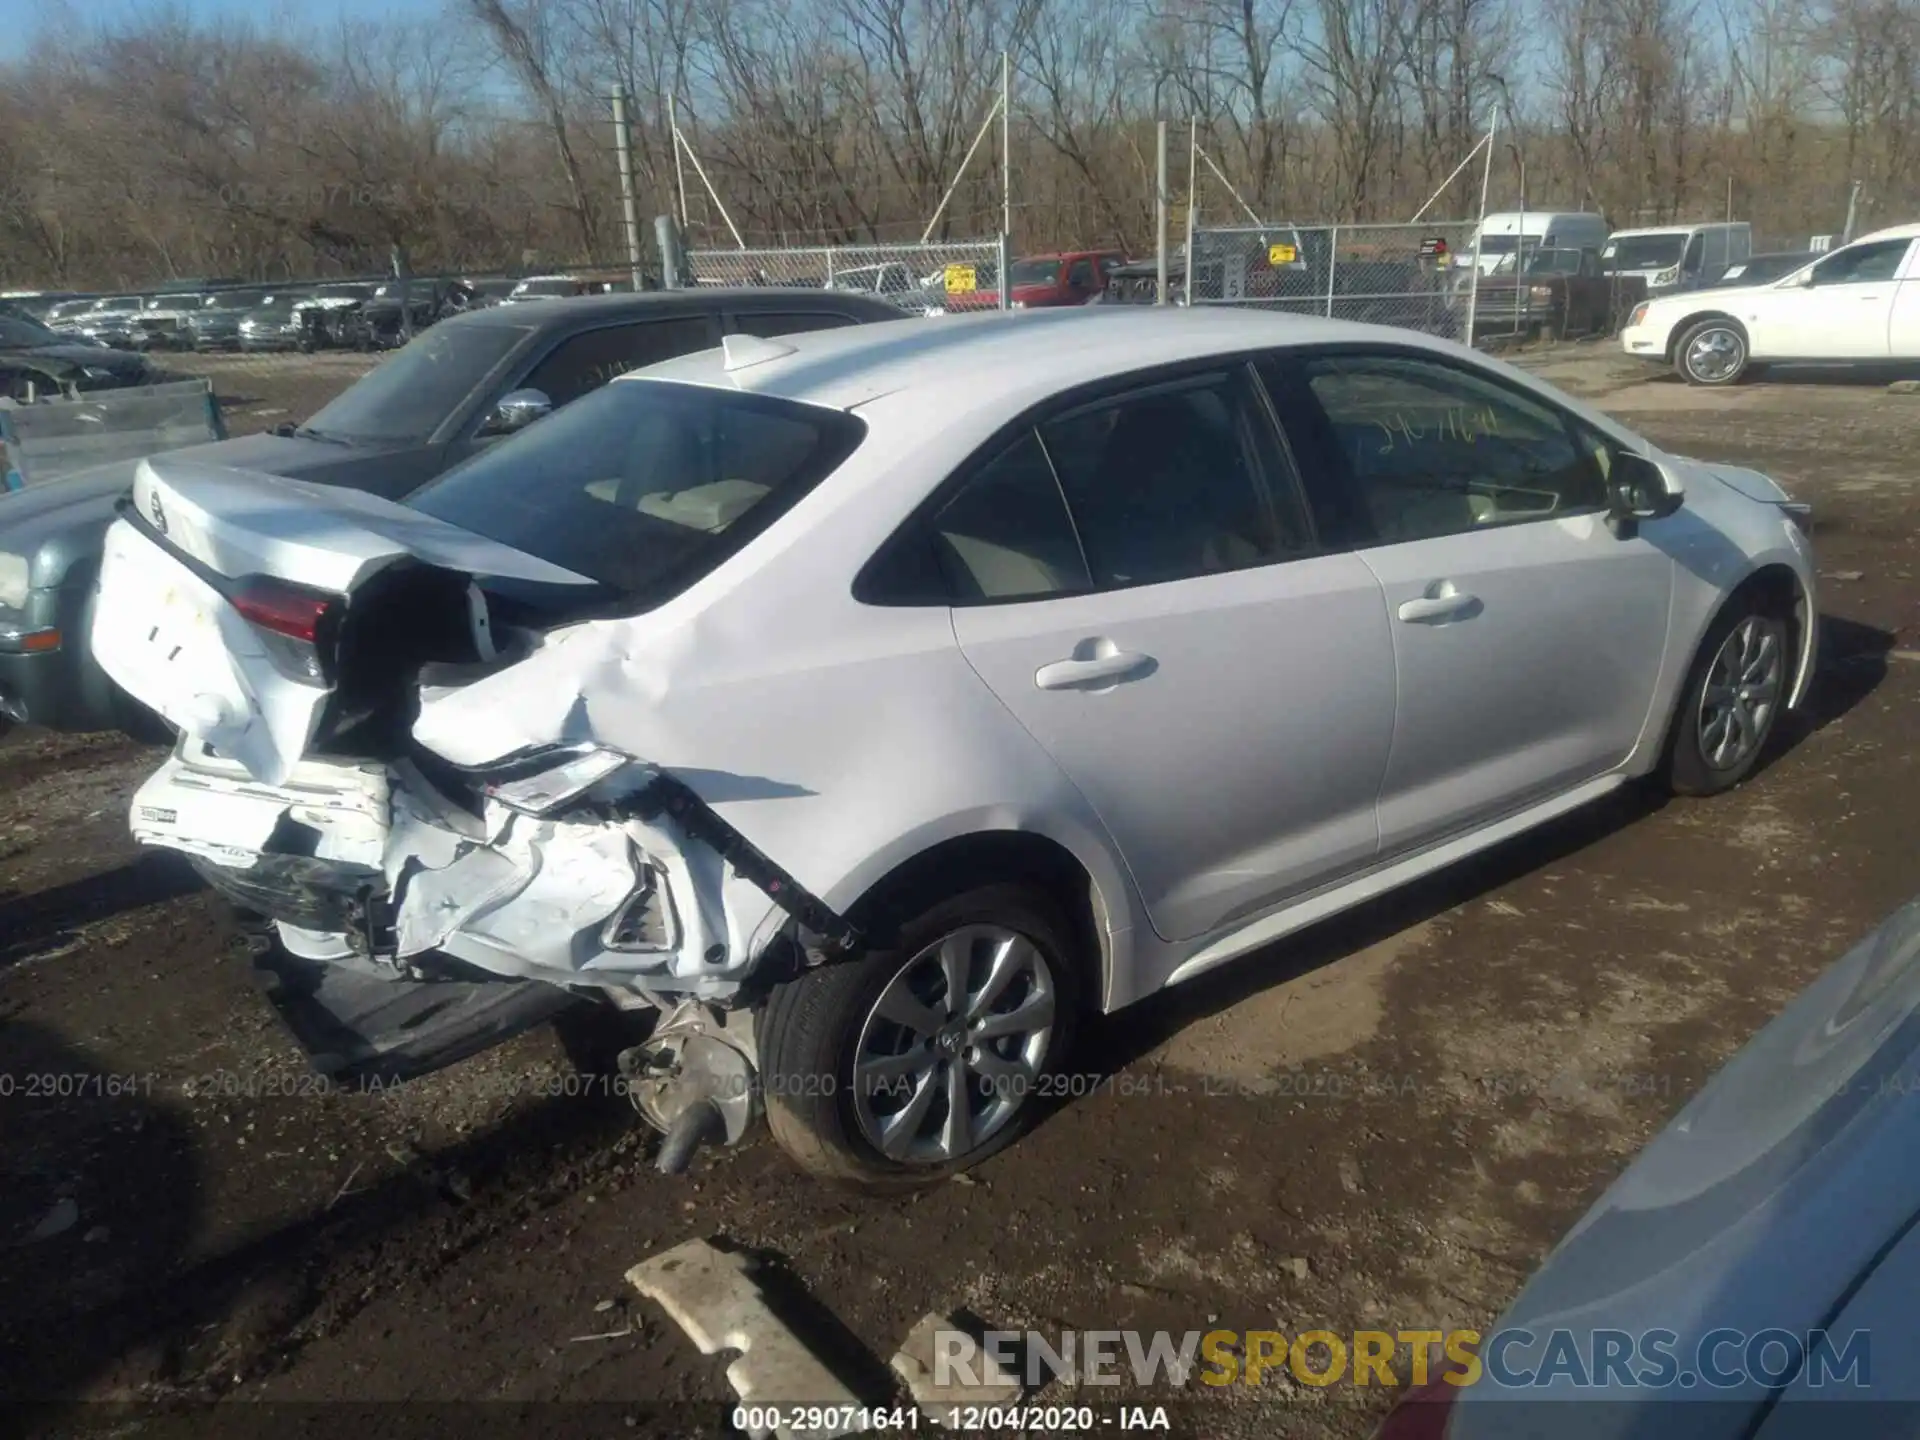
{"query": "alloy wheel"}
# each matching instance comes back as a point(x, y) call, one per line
point(1742, 692)
point(955, 1045)
point(1715, 355)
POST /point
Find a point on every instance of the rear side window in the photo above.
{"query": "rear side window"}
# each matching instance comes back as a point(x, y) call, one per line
point(645, 486)
point(587, 361)
point(1171, 482)
point(1007, 534)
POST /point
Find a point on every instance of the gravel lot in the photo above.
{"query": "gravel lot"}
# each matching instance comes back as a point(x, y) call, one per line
point(1414, 1099)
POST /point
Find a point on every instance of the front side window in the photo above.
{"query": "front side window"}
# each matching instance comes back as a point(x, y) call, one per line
point(1433, 449)
point(1859, 264)
point(407, 397)
point(646, 485)
point(1172, 482)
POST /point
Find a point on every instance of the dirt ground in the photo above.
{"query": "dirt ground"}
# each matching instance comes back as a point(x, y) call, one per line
point(1381, 1124)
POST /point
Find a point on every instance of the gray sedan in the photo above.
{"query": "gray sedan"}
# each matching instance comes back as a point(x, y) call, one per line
point(450, 393)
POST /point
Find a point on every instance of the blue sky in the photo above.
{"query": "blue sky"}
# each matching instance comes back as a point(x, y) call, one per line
point(20, 20)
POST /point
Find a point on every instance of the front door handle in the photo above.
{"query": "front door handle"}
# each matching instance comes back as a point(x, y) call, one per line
point(1442, 602)
point(1105, 667)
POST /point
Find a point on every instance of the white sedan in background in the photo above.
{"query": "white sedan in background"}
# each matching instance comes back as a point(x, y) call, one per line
point(869, 705)
point(1858, 305)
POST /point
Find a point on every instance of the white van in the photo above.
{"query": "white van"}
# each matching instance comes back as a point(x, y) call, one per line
point(1505, 232)
point(1678, 257)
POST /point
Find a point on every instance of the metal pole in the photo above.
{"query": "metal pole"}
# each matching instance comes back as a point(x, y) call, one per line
point(966, 160)
point(1006, 266)
point(1486, 179)
point(1420, 214)
point(712, 194)
point(1160, 208)
point(679, 166)
point(666, 234)
point(1006, 143)
point(1520, 245)
point(623, 148)
point(1193, 180)
point(1333, 262)
point(1853, 207)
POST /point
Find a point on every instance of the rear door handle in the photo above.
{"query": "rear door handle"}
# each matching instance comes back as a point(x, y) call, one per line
point(1449, 604)
point(1114, 666)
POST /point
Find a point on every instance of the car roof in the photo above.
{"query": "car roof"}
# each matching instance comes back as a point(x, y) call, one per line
point(1677, 229)
point(704, 301)
point(1892, 232)
point(1004, 361)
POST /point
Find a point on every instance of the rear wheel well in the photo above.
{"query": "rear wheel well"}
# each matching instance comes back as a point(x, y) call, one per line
point(986, 858)
point(1675, 335)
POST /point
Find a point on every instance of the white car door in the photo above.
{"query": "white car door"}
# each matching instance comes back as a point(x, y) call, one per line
point(1903, 325)
point(1139, 585)
point(1527, 635)
point(1843, 314)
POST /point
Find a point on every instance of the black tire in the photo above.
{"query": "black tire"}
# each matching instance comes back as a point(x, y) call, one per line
point(1690, 767)
point(810, 1029)
point(1728, 364)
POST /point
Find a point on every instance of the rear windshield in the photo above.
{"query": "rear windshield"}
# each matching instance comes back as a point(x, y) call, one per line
point(645, 485)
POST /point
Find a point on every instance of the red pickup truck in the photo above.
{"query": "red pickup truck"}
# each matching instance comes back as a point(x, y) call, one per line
point(1072, 277)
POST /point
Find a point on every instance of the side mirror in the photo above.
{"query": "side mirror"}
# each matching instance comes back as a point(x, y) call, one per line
point(517, 410)
point(1640, 489)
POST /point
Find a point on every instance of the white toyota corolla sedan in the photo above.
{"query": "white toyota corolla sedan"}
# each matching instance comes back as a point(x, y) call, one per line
point(864, 708)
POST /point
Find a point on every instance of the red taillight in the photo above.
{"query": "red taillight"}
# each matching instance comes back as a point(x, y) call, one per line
point(290, 610)
point(1423, 1415)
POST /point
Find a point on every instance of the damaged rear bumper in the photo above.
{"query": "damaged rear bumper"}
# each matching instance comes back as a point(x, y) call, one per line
point(628, 884)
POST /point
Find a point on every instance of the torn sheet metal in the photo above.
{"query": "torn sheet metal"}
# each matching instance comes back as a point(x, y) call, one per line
point(710, 1295)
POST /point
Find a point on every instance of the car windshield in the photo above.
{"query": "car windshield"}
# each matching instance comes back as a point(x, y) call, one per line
point(411, 395)
point(17, 331)
point(1504, 244)
point(1555, 262)
point(235, 300)
point(559, 287)
point(1034, 272)
point(644, 485)
point(1644, 252)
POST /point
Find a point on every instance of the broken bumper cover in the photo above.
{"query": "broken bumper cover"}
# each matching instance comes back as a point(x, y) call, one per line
point(579, 867)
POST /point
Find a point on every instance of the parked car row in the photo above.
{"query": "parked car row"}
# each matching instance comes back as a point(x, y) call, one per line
point(348, 314)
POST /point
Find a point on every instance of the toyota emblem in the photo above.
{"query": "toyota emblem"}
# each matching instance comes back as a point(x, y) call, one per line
point(157, 511)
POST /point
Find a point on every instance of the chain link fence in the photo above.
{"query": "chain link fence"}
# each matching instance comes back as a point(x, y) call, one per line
point(934, 279)
point(1415, 277)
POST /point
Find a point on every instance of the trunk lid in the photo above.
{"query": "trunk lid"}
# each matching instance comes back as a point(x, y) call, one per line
point(240, 606)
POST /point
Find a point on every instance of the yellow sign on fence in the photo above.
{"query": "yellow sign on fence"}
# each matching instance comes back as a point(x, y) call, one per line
point(1282, 255)
point(960, 280)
